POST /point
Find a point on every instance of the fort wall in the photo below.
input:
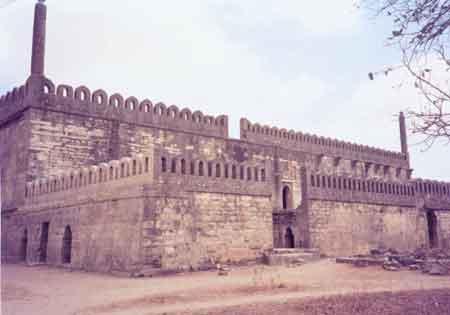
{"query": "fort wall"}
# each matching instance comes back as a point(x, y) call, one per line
point(320, 145)
point(350, 228)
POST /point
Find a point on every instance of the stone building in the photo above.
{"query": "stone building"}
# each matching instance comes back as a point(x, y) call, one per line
point(112, 183)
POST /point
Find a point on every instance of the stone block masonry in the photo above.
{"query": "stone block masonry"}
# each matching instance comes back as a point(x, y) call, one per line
point(108, 183)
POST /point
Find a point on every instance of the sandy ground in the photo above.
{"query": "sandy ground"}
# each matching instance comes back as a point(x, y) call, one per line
point(44, 290)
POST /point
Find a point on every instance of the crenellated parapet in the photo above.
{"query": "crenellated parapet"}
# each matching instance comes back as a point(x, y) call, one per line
point(421, 193)
point(90, 177)
point(432, 194)
point(305, 142)
point(98, 103)
point(12, 101)
point(347, 189)
point(250, 178)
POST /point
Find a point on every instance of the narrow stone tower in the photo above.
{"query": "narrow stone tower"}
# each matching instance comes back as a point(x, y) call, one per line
point(36, 79)
point(403, 136)
point(38, 49)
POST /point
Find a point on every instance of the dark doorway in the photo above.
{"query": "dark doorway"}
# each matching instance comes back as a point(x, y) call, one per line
point(67, 246)
point(23, 246)
point(432, 228)
point(289, 240)
point(44, 242)
point(286, 197)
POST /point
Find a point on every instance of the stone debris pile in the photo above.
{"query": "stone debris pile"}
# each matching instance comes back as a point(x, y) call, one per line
point(432, 262)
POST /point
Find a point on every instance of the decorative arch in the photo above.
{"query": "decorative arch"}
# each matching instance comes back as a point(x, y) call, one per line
point(286, 195)
point(66, 254)
point(432, 229)
point(99, 97)
point(289, 238)
point(24, 246)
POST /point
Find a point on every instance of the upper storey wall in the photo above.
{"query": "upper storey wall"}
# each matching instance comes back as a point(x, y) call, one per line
point(12, 102)
point(320, 145)
point(130, 110)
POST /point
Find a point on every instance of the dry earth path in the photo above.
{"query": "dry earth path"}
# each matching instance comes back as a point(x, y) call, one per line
point(44, 290)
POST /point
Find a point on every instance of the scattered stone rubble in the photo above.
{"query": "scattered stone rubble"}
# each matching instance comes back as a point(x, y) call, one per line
point(432, 262)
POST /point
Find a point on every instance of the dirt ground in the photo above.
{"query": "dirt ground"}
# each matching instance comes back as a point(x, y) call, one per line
point(322, 287)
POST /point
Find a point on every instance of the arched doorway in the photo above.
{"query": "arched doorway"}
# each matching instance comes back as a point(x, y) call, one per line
point(432, 229)
point(23, 246)
point(289, 240)
point(67, 246)
point(286, 197)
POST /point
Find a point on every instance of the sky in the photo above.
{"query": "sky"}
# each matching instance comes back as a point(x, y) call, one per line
point(293, 64)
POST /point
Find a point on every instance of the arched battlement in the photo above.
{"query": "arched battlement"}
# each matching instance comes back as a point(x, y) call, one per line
point(65, 91)
point(173, 111)
point(146, 106)
point(131, 103)
point(49, 87)
point(85, 176)
point(83, 94)
point(159, 109)
point(197, 116)
point(81, 100)
point(186, 114)
point(254, 132)
point(100, 97)
point(116, 100)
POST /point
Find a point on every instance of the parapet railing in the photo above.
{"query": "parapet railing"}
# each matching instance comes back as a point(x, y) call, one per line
point(86, 176)
point(12, 101)
point(130, 109)
point(433, 194)
point(347, 189)
point(319, 145)
point(215, 175)
point(17, 94)
point(424, 187)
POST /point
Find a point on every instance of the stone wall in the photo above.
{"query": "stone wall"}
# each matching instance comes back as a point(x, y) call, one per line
point(14, 142)
point(105, 235)
point(196, 230)
point(345, 228)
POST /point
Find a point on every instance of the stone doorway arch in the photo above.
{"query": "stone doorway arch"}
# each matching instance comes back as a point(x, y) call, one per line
point(67, 246)
point(24, 246)
point(432, 229)
point(289, 239)
point(286, 197)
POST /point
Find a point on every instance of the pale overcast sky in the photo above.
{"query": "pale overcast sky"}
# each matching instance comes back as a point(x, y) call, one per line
point(298, 65)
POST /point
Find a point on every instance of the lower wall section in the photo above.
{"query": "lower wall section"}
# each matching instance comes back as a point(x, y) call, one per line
point(201, 229)
point(97, 236)
point(339, 228)
point(188, 230)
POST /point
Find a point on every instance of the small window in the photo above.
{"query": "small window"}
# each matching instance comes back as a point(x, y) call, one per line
point(249, 173)
point(173, 167)
point(263, 175)
point(163, 164)
point(200, 168)
point(192, 168)
point(183, 166)
point(218, 170)
point(134, 167)
point(226, 170)
point(146, 164)
point(256, 174)
point(209, 169)
point(233, 172)
point(241, 173)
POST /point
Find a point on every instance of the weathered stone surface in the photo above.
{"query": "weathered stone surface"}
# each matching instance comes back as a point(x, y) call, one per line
point(75, 157)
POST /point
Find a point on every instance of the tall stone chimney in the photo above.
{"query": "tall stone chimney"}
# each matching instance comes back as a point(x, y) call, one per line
point(38, 49)
point(403, 137)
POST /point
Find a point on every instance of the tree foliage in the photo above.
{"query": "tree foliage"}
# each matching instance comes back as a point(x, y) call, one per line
point(421, 29)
